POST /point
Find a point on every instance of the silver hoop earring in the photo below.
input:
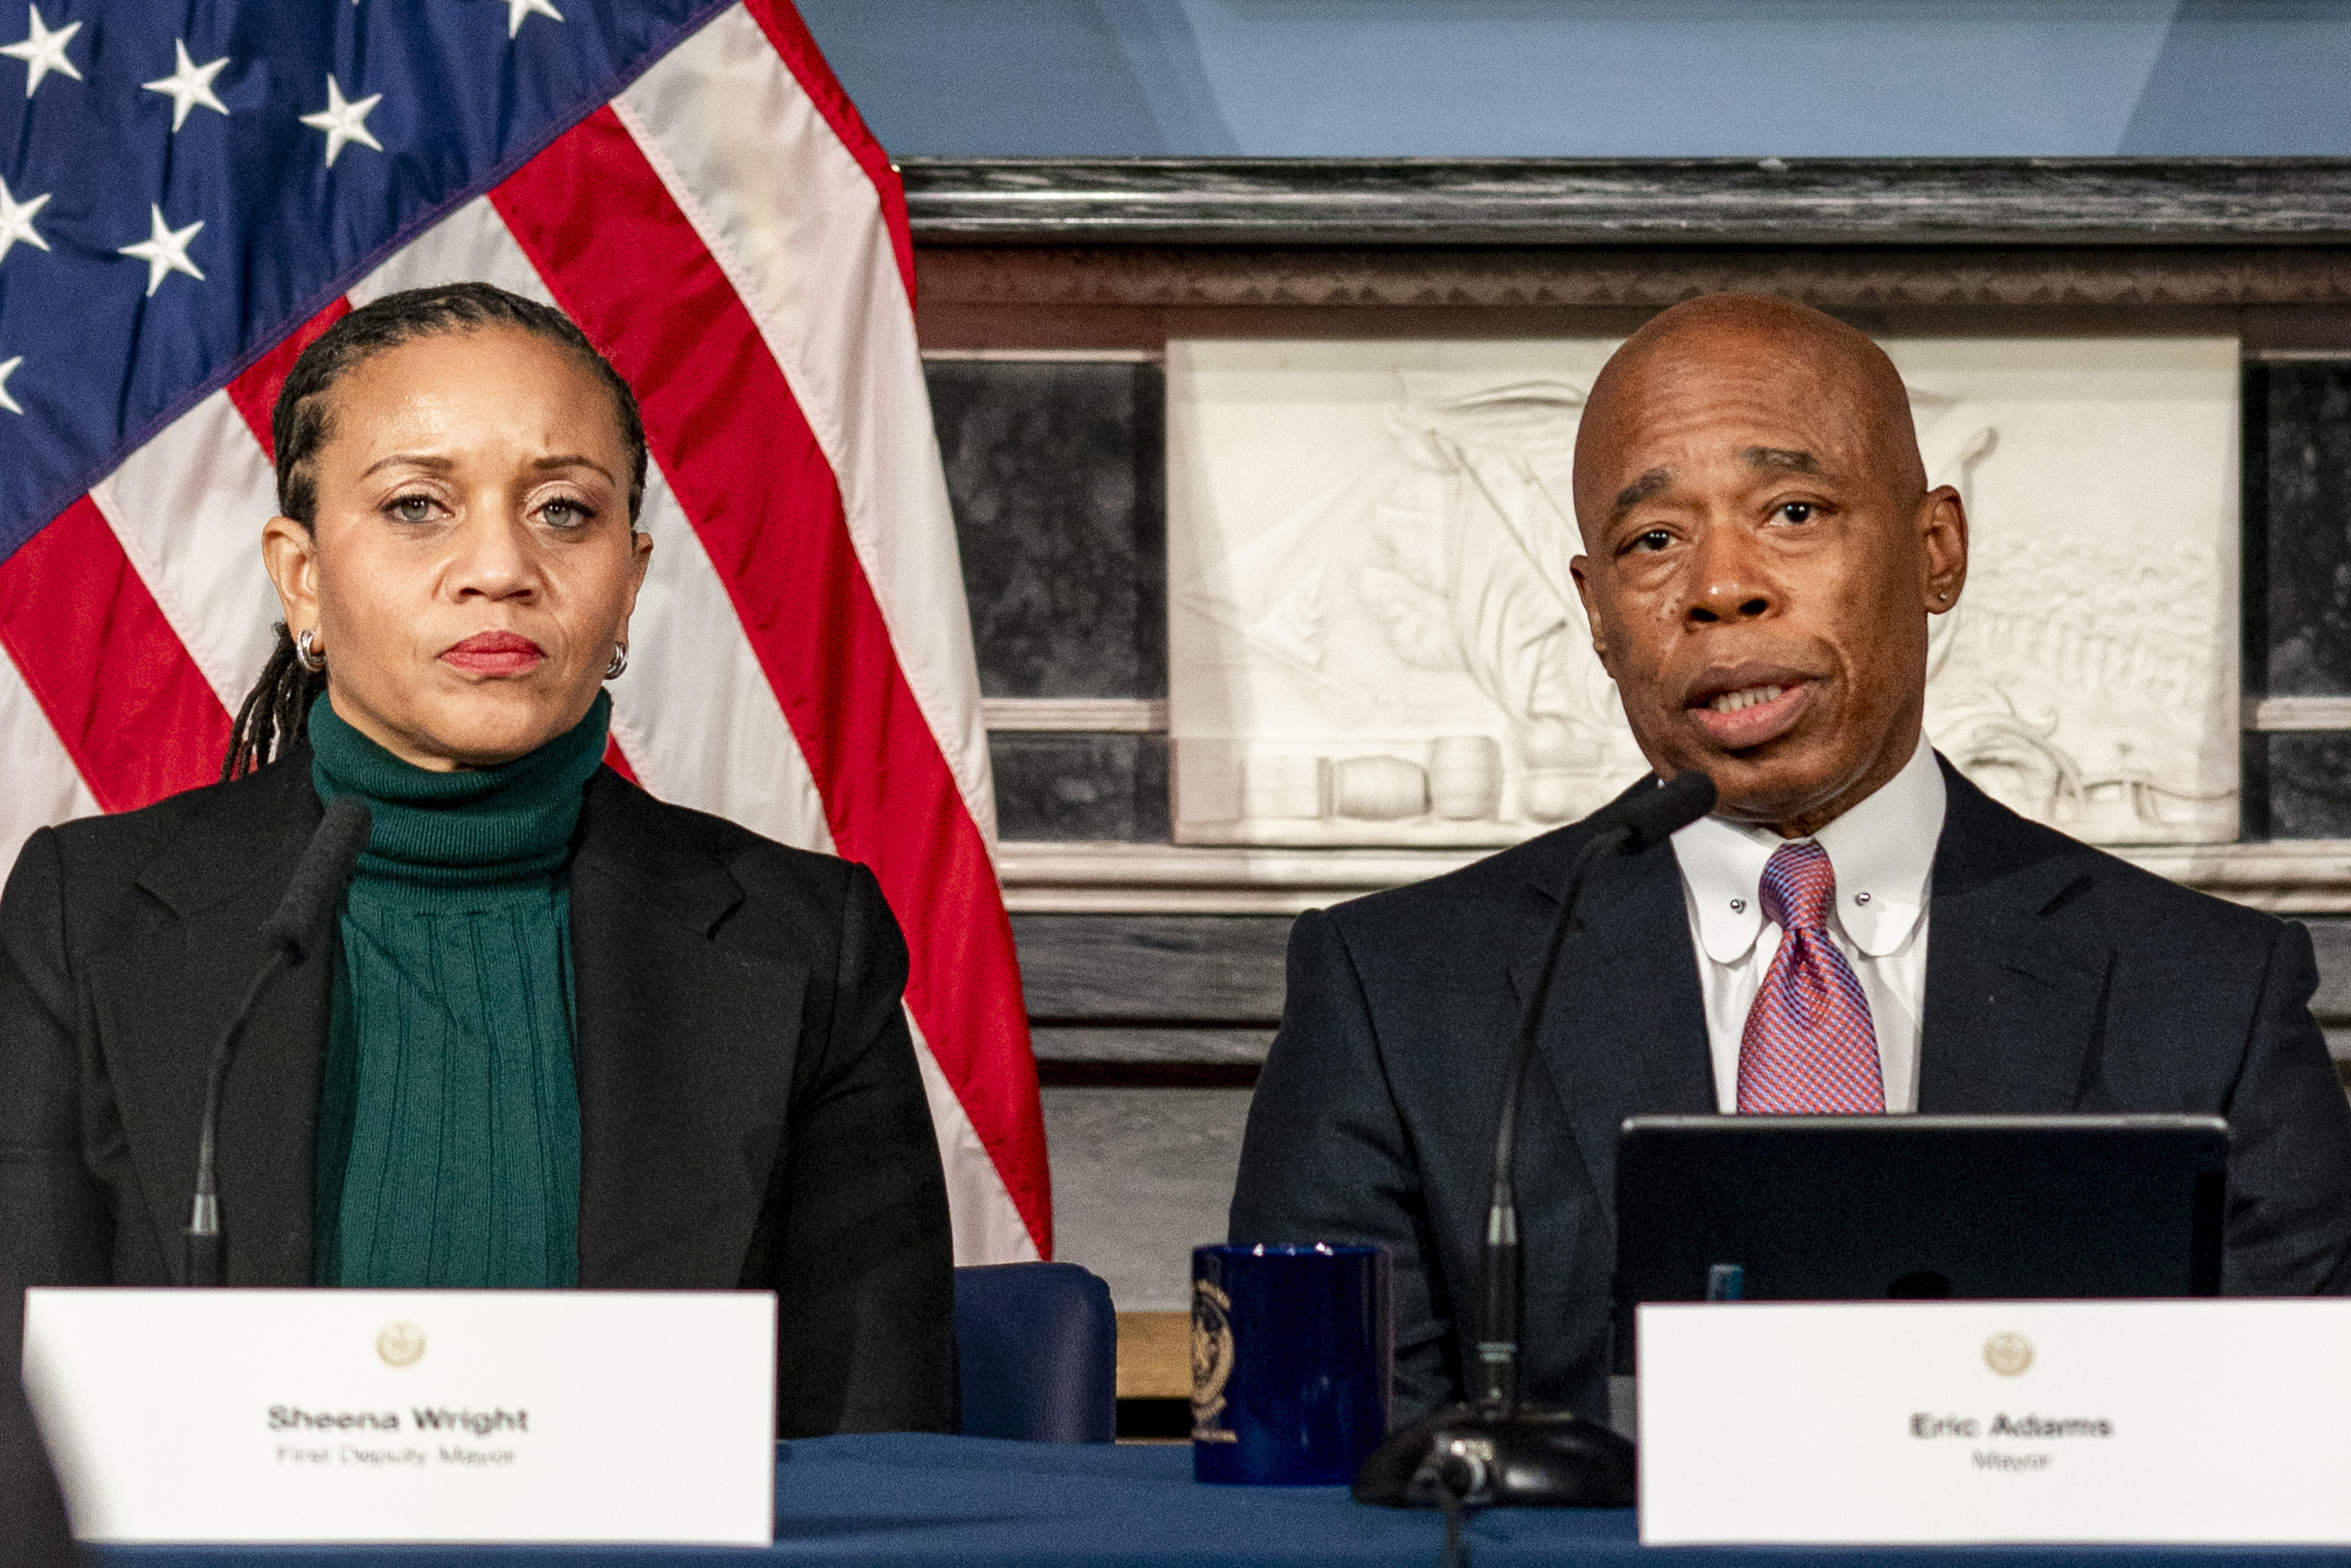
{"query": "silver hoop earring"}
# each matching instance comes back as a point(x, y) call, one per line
point(306, 653)
point(620, 661)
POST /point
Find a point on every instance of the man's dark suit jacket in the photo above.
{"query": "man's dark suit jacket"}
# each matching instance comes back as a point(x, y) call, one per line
point(2058, 979)
point(751, 1114)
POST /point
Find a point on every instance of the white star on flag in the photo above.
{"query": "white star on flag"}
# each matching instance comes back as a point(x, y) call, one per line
point(165, 251)
point(17, 220)
point(517, 9)
point(344, 121)
point(44, 52)
point(188, 86)
point(7, 368)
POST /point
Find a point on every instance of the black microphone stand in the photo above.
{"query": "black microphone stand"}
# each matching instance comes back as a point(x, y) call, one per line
point(1497, 1449)
point(1498, 1351)
point(291, 932)
point(202, 1248)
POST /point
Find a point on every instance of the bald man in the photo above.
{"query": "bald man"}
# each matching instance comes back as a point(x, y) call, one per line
point(1856, 929)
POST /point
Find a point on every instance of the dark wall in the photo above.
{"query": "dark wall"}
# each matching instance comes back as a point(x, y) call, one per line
point(2298, 591)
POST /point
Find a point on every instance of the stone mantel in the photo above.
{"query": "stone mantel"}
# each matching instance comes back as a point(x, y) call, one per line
point(1645, 202)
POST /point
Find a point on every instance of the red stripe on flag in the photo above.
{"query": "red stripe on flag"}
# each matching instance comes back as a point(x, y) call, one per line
point(806, 61)
point(255, 390)
point(616, 254)
point(129, 705)
point(618, 760)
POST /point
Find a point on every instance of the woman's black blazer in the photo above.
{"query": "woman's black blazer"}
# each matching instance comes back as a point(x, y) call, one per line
point(751, 1114)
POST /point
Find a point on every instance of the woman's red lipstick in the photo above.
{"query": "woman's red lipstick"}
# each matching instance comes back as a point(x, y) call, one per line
point(494, 652)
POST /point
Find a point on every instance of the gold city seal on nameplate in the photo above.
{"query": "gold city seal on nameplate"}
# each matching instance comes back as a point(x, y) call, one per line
point(1211, 1360)
point(401, 1345)
point(2008, 1355)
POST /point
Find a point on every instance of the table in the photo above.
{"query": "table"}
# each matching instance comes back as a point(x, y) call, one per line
point(971, 1503)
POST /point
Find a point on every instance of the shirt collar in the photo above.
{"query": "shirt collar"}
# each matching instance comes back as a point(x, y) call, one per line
point(1882, 847)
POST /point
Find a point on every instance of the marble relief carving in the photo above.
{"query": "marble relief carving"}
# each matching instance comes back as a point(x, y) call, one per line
point(1373, 638)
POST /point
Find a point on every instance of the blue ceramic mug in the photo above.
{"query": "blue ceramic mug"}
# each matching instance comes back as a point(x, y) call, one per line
point(1293, 1349)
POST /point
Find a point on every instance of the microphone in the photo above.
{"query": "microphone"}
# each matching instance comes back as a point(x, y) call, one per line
point(1656, 813)
point(293, 932)
point(1629, 824)
point(1495, 1449)
point(318, 879)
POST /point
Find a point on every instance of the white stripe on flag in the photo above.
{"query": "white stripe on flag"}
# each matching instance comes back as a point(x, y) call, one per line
point(694, 715)
point(988, 1228)
point(189, 507)
point(471, 244)
point(43, 786)
point(792, 218)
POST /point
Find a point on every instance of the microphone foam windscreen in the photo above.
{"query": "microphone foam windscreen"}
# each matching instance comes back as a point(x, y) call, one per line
point(318, 877)
point(1674, 804)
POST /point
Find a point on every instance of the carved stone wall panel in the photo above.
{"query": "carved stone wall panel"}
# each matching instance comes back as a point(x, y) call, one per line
point(1373, 636)
point(1374, 639)
point(2089, 674)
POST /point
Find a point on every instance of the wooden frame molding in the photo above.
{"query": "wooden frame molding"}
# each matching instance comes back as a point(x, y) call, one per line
point(1772, 201)
point(1630, 283)
point(1127, 715)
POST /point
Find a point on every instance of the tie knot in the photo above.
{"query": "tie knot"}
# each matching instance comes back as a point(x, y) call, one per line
point(1798, 883)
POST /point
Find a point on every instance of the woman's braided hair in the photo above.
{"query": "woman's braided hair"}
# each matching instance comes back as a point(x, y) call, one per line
point(276, 712)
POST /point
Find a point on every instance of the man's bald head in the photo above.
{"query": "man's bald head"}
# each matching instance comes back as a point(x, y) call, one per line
point(1748, 338)
point(1762, 553)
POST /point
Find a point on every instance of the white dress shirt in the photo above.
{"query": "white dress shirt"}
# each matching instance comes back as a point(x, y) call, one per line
point(1882, 850)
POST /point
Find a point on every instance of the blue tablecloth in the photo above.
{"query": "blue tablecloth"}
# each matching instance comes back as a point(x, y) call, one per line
point(973, 1502)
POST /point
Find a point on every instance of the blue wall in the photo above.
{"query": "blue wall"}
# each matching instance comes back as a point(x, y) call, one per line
point(1595, 77)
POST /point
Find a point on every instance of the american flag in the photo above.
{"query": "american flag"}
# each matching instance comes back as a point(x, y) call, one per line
point(191, 191)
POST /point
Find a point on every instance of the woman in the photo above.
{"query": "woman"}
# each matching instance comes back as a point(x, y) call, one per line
point(569, 1035)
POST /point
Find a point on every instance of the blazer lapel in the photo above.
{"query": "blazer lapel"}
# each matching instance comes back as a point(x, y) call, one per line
point(162, 1000)
point(1624, 1033)
point(2014, 992)
point(684, 1052)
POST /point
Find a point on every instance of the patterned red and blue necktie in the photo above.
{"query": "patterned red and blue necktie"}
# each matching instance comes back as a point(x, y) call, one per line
point(1809, 1048)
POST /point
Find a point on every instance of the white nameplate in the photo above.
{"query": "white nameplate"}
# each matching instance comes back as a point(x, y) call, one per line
point(1904, 1422)
point(408, 1416)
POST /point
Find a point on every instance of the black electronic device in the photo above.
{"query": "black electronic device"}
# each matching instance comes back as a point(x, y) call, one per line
point(1850, 1209)
point(1496, 1450)
point(293, 932)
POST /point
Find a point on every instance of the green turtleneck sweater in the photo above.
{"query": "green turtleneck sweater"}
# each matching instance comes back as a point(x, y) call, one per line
point(448, 1125)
